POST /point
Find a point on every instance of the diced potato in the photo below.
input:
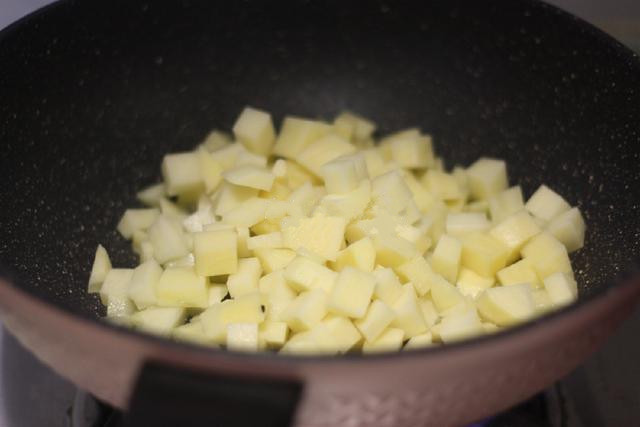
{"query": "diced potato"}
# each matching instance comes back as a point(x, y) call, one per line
point(388, 287)
point(306, 197)
point(547, 255)
point(216, 140)
point(418, 272)
point(348, 206)
point(101, 266)
point(506, 203)
point(245, 309)
point(472, 284)
point(242, 336)
point(483, 254)
point(410, 149)
point(119, 309)
point(250, 176)
point(568, 228)
point(321, 234)
point(152, 195)
point(408, 315)
point(254, 129)
point(541, 300)
point(351, 293)
point(158, 320)
point(463, 223)
point(168, 240)
point(229, 196)
point(142, 287)
point(519, 272)
point(306, 310)
point(210, 170)
point(265, 241)
point(274, 334)
point(429, 312)
point(217, 292)
point(216, 252)
point(419, 341)
point(561, 288)
point(360, 255)
point(136, 219)
point(546, 204)
point(191, 332)
point(296, 134)
point(460, 326)
point(390, 192)
point(507, 305)
point(487, 177)
point(116, 284)
point(182, 287)
point(514, 232)
point(245, 280)
point(390, 340)
point(278, 294)
point(247, 158)
point(304, 274)
point(443, 185)
point(375, 162)
point(446, 257)
point(443, 294)
point(247, 213)
point(392, 251)
point(418, 235)
point(343, 174)
point(352, 126)
point(345, 334)
point(379, 315)
point(171, 210)
point(322, 151)
point(274, 259)
point(181, 173)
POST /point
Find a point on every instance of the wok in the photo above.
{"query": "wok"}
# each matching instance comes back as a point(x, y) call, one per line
point(94, 93)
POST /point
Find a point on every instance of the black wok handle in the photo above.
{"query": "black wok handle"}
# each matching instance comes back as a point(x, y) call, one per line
point(171, 396)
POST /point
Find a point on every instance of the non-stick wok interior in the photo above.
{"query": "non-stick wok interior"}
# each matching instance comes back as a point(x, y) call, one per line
point(92, 95)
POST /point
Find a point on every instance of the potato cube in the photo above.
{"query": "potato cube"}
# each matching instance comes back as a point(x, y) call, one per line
point(446, 257)
point(298, 175)
point(443, 294)
point(388, 287)
point(245, 309)
point(116, 284)
point(506, 203)
point(142, 288)
point(561, 288)
point(463, 223)
point(306, 197)
point(419, 341)
point(569, 228)
point(390, 192)
point(343, 174)
point(216, 252)
point(304, 274)
point(278, 294)
point(254, 129)
point(418, 235)
point(119, 309)
point(301, 343)
point(136, 219)
point(507, 305)
point(322, 235)
point(296, 134)
point(322, 151)
point(245, 280)
point(210, 170)
point(274, 334)
point(351, 293)
point(460, 326)
point(250, 176)
point(191, 332)
point(360, 255)
point(151, 196)
point(306, 310)
point(514, 232)
point(487, 177)
point(242, 336)
point(216, 140)
point(182, 287)
point(265, 241)
point(408, 314)
point(541, 300)
point(348, 206)
point(343, 331)
point(472, 284)
point(390, 340)
point(418, 272)
point(546, 204)
point(392, 251)
point(274, 259)
point(442, 185)
point(429, 311)
point(352, 126)
point(217, 292)
point(229, 196)
point(181, 173)
point(99, 270)
point(379, 315)
point(158, 320)
point(547, 255)
point(410, 149)
point(483, 254)
point(519, 272)
point(247, 213)
point(168, 240)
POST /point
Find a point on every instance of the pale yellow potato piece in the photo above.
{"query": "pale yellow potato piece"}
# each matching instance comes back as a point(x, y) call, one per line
point(410, 149)
point(546, 204)
point(462, 223)
point(210, 170)
point(446, 257)
point(360, 255)
point(561, 288)
point(442, 185)
point(229, 196)
point(378, 317)
point(216, 140)
point(519, 272)
point(514, 232)
point(135, 220)
point(278, 294)
point(115, 285)
point(322, 151)
point(343, 331)
point(419, 341)
point(390, 192)
point(348, 206)
point(541, 300)
point(296, 134)
point(460, 326)
point(245, 280)
point(408, 313)
point(343, 174)
point(505, 203)
point(274, 334)
point(142, 287)
point(182, 287)
point(322, 235)
point(392, 251)
point(216, 252)
point(547, 255)
point(351, 293)
point(274, 259)
point(429, 311)
point(483, 254)
point(217, 292)
point(472, 284)
point(507, 305)
point(101, 266)
point(353, 126)
point(388, 287)
point(152, 195)
point(168, 240)
point(250, 176)
point(443, 294)
point(304, 274)
point(298, 175)
point(247, 213)
point(181, 173)
point(418, 272)
point(375, 162)
point(487, 177)
point(254, 129)
point(306, 196)
point(569, 228)
point(390, 340)
point(242, 336)
point(191, 332)
point(265, 241)
point(245, 309)
point(158, 320)
point(306, 310)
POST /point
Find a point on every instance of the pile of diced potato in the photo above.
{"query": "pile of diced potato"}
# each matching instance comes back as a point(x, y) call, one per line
point(320, 239)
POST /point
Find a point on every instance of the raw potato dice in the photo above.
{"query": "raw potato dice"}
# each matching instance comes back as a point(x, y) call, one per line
point(546, 204)
point(217, 292)
point(229, 196)
point(216, 252)
point(343, 331)
point(120, 309)
point(541, 300)
point(561, 288)
point(442, 185)
point(487, 177)
point(506, 203)
point(278, 297)
point(360, 255)
point(158, 320)
point(306, 310)
point(142, 288)
point(483, 254)
point(242, 336)
point(322, 235)
point(519, 272)
point(254, 129)
point(569, 228)
point(460, 224)
point(181, 173)
point(391, 192)
point(274, 334)
point(116, 284)
point(247, 213)
point(429, 312)
point(392, 251)
point(305, 197)
point(389, 340)
point(411, 150)
point(297, 176)
point(304, 274)
point(547, 255)
point(167, 239)
point(418, 272)
point(419, 341)
point(191, 332)
point(210, 170)
point(348, 206)
point(322, 151)
point(136, 219)
point(274, 259)
point(460, 326)
point(245, 280)
point(101, 266)
point(408, 314)
point(446, 257)
point(182, 287)
point(514, 232)
point(472, 284)
point(216, 140)
point(245, 309)
point(343, 174)
point(296, 134)
point(378, 317)
point(152, 195)
point(352, 126)
point(388, 287)
point(351, 293)
point(507, 305)
point(250, 176)
point(265, 241)
point(443, 294)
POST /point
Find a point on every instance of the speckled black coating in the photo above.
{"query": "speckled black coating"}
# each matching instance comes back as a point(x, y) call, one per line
point(93, 93)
